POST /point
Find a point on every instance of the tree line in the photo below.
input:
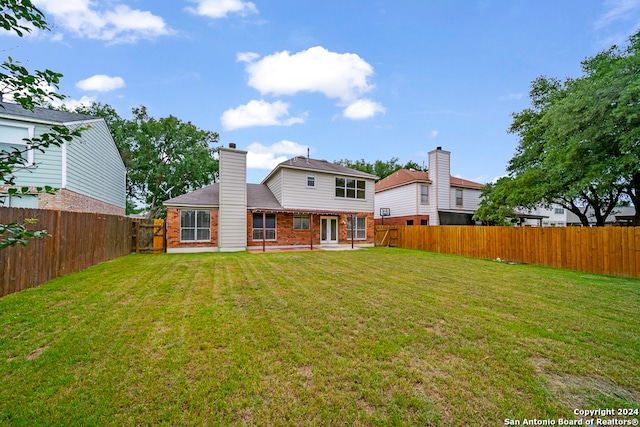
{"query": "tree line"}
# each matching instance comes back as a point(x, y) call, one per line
point(579, 143)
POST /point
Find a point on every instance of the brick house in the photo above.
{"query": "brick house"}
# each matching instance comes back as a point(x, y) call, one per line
point(302, 202)
point(88, 172)
point(410, 197)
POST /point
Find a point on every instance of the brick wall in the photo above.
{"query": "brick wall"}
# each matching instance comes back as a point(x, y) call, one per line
point(173, 231)
point(66, 200)
point(287, 236)
point(402, 220)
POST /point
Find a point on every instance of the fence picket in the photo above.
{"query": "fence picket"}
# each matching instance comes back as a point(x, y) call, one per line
point(600, 250)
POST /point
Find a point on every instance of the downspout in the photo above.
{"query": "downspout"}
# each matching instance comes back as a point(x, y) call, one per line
point(311, 229)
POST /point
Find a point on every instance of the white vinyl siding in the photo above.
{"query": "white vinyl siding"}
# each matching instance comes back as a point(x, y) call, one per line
point(470, 198)
point(400, 200)
point(296, 194)
point(275, 185)
point(232, 220)
point(94, 166)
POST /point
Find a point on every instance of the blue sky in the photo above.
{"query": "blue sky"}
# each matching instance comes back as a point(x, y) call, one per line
point(347, 79)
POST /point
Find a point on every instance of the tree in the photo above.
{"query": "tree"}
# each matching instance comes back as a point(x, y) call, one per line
point(169, 157)
point(28, 90)
point(579, 141)
point(380, 168)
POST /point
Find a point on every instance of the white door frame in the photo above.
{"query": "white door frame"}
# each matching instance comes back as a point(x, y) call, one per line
point(326, 235)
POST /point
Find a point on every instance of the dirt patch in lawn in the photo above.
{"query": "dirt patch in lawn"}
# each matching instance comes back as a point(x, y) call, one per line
point(575, 391)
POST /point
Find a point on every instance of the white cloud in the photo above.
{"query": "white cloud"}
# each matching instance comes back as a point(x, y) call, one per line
point(220, 8)
point(618, 10)
point(336, 75)
point(247, 56)
point(363, 109)
point(72, 104)
point(433, 134)
point(512, 96)
point(116, 25)
point(341, 76)
point(268, 157)
point(101, 83)
point(259, 113)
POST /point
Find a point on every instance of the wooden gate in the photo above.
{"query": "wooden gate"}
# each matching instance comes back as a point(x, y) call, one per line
point(386, 236)
point(148, 236)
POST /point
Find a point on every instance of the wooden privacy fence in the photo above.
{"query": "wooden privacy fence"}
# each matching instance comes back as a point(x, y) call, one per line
point(602, 250)
point(77, 241)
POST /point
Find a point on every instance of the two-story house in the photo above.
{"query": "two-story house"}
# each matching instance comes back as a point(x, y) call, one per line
point(410, 197)
point(301, 202)
point(88, 171)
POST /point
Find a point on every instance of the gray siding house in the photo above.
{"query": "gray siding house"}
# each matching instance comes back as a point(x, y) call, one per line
point(88, 171)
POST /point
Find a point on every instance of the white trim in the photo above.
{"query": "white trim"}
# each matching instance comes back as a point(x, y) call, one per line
point(233, 249)
point(192, 250)
point(64, 165)
point(30, 132)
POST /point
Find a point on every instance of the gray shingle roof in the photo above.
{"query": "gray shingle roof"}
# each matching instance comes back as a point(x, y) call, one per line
point(42, 114)
point(258, 196)
point(306, 163)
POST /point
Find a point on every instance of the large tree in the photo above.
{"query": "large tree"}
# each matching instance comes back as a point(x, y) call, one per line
point(579, 141)
point(28, 89)
point(169, 157)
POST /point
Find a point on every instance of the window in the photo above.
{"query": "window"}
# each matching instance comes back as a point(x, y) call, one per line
point(424, 194)
point(558, 211)
point(269, 226)
point(12, 137)
point(195, 226)
point(360, 227)
point(301, 222)
point(409, 222)
point(458, 196)
point(424, 222)
point(350, 188)
point(311, 180)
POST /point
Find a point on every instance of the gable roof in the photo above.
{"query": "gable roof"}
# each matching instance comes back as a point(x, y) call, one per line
point(306, 163)
point(258, 196)
point(11, 110)
point(402, 177)
point(408, 176)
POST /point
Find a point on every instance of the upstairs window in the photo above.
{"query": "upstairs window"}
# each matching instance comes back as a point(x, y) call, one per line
point(558, 211)
point(311, 180)
point(350, 188)
point(459, 197)
point(424, 194)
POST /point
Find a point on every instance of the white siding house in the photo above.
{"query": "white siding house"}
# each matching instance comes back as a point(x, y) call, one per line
point(427, 198)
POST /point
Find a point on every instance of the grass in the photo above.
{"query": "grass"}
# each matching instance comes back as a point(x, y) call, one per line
point(373, 337)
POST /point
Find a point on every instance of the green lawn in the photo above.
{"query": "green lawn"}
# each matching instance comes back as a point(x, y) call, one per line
point(372, 337)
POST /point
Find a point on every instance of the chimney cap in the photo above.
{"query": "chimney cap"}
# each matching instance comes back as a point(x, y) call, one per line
point(438, 148)
point(232, 145)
